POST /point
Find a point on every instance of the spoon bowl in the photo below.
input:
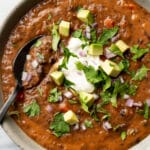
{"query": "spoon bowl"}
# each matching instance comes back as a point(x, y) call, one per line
point(18, 67)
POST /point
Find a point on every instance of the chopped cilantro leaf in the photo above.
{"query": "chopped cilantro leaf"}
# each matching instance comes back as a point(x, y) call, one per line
point(116, 50)
point(40, 90)
point(54, 95)
point(117, 127)
point(146, 111)
point(100, 108)
point(131, 89)
point(123, 135)
point(67, 55)
point(148, 45)
point(107, 35)
point(141, 73)
point(132, 73)
point(106, 80)
point(49, 17)
point(93, 113)
point(84, 106)
point(106, 117)
point(68, 83)
point(38, 43)
point(79, 8)
point(138, 52)
point(120, 89)
point(72, 102)
point(79, 65)
point(93, 35)
point(105, 95)
point(92, 75)
point(88, 123)
point(107, 83)
point(124, 65)
point(40, 56)
point(117, 89)
point(55, 37)
point(77, 33)
point(32, 109)
point(59, 126)
point(117, 86)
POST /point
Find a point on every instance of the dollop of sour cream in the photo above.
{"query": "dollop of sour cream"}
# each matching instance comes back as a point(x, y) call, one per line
point(72, 73)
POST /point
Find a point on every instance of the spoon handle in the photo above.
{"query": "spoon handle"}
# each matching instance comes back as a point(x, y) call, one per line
point(7, 104)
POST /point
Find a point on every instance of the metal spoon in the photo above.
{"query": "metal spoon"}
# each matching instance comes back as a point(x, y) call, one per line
point(18, 67)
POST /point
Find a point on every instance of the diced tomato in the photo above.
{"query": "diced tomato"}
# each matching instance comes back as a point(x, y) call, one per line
point(63, 107)
point(130, 6)
point(20, 96)
point(109, 23)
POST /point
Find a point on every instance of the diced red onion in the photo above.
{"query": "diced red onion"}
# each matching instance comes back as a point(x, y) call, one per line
point(148, 102)
point(88, 29)
point(82, 53)
point(83, 127)
point(28, 57)
point(129, 102)
point(68, 94)
point(29, 77)
point(88, 32)
point(96, 96)
point(39, 69)
point(88, 35)
point(138, 104)
point(123, 112)
point(60, 98)
point(61, 50)
point(49, 108)
point(34, 64)
point(109, 54)
point(106, 125)
point(126, 96)
point(76, 126)
point(123, 20)
point(24, 76)
point(120, 2)
point(115, 38)
point(121, 79)
point(79, 73)
point(94, 25)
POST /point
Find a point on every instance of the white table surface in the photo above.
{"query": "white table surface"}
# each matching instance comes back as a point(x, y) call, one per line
point(5, 8)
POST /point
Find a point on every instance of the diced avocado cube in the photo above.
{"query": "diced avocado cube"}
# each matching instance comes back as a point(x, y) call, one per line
point(111, 68)
point(95, 50)
point(85, 16)
point(86, 98)
point(122, 46)
point(64, 28)
point(58, 77)
point(70, 117)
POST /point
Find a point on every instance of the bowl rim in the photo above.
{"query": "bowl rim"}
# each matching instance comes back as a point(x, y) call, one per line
point(9, 125)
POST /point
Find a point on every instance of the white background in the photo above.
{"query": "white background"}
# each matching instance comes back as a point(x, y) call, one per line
point(6, 7)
